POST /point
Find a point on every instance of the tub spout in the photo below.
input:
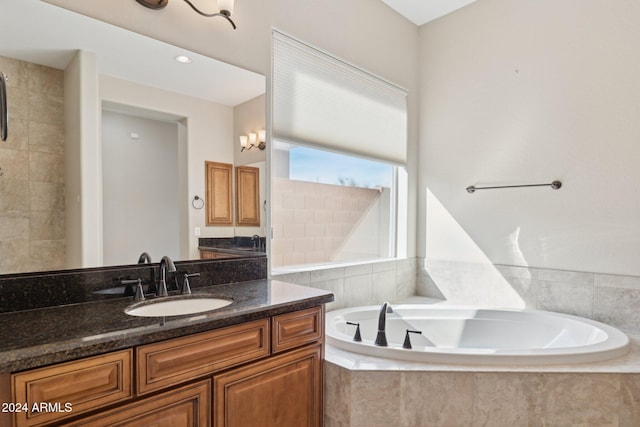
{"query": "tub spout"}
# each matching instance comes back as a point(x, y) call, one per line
point(381, 338)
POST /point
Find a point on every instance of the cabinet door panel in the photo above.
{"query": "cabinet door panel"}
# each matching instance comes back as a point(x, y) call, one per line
point(285, 390)
point(247, 196)
point(219, 200)
point(188, 406)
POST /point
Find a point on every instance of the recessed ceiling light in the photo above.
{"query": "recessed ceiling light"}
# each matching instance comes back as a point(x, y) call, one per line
point(183, 59)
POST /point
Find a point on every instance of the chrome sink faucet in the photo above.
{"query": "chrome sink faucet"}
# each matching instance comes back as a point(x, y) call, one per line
point(144, 258)
point(257, 242)
point(381, 338)
point(166, 265)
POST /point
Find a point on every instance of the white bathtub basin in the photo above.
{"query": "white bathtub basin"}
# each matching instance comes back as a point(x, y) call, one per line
point(478, 336)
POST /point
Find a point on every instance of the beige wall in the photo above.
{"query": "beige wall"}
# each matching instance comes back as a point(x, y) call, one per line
point(32, 231)
point(140, 188)
point(366, 33)
point(251, 116)
point(83, 193)
point(248, 117)
point(528, 92)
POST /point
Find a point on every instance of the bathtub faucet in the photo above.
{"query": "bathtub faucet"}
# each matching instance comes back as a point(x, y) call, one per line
point(381, 338)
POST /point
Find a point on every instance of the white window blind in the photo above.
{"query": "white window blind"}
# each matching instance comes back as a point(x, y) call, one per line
point(323, 101)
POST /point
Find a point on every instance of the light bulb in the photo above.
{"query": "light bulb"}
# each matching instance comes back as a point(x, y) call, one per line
point(226, 5)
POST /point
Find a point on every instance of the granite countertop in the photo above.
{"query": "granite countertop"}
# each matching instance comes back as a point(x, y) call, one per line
point(34, 338)
point(239, 250)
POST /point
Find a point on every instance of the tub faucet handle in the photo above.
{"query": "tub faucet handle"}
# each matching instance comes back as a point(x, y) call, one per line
point(357, 337)
point(407, 340)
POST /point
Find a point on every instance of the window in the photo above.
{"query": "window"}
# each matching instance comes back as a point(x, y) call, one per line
point(330, 207)
point(338, 186)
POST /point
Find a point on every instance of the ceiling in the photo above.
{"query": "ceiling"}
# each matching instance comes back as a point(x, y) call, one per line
point(38, 32)
point(422, 11)
point(51, 36)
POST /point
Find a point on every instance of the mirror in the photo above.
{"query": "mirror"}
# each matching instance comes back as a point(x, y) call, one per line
point(87, 104)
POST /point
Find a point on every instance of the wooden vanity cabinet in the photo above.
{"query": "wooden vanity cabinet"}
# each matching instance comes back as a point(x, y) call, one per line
point(266, 372)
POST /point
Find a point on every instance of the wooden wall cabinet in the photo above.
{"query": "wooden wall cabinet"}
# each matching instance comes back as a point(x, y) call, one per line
point(218, 197)
point(247, 196)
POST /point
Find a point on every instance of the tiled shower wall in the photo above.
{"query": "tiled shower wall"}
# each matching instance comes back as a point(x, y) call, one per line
point(609, 298)
point(32, 231)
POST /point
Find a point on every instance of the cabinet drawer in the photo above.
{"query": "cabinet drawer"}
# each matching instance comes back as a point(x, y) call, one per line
point(217, 255)
point(297, 328)
point(188, 406)
point(85, 385)
point(182, 359)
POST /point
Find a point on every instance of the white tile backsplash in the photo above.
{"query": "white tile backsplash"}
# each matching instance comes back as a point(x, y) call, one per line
point(361, 284)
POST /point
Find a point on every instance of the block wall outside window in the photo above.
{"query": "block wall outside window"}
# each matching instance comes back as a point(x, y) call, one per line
point(317, 223)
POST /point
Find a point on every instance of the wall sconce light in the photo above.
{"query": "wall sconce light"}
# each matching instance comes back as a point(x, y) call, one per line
point(225, 8)
point(248, 142)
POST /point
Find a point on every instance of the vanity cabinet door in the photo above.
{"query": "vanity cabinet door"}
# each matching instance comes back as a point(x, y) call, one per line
point(188, 406)
point(73, 388)
point(285, 390)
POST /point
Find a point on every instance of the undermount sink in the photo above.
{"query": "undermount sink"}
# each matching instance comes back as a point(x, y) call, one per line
point(176, 306)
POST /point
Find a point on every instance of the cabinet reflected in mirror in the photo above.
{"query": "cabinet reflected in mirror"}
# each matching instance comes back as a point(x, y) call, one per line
point(218, 200)
point(248, 198)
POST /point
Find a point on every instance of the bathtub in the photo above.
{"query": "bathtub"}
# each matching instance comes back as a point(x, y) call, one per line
point(464, 335)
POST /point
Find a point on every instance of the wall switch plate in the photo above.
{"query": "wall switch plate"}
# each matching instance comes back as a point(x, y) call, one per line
point(196, 231)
